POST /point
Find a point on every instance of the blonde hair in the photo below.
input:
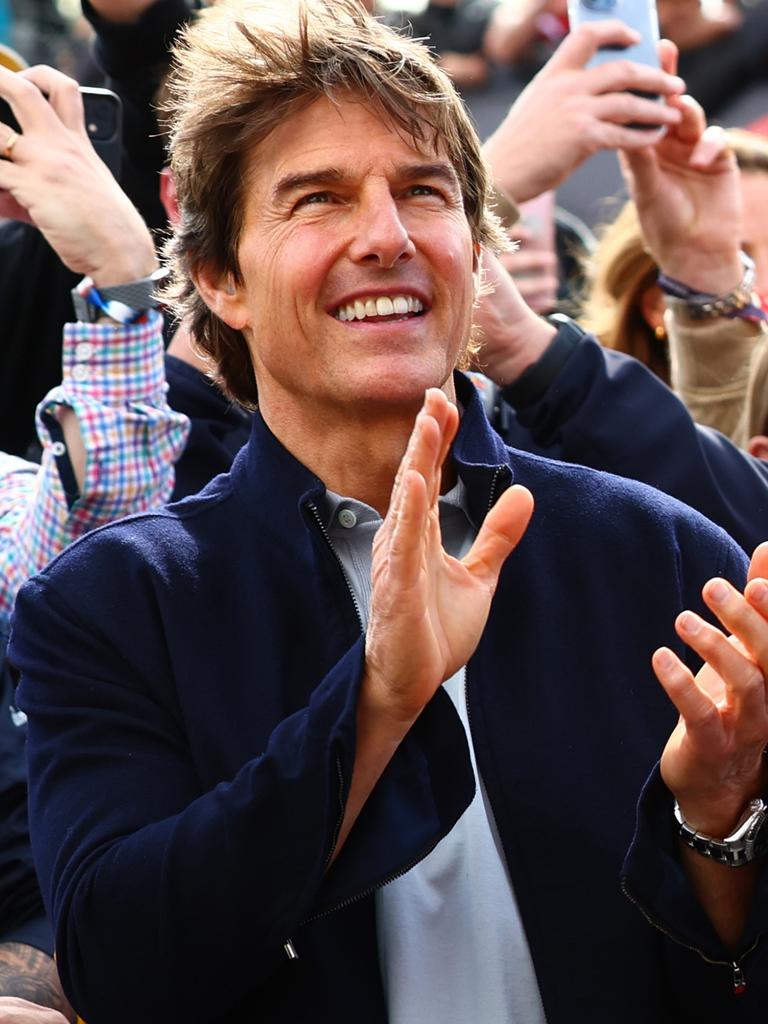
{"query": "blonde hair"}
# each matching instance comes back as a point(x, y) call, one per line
point(619, 272)
point(239, 71)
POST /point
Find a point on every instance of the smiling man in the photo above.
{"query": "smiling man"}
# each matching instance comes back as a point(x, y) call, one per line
point(310, 746)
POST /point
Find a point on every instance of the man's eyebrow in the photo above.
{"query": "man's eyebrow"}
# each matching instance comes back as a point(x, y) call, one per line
point(334, 176)
point(295, 182)
point(441, 170)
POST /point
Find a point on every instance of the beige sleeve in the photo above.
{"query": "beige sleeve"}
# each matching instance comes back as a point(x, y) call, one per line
point(714, 368)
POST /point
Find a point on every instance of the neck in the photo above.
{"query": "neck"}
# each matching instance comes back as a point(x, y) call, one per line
point(356, 453)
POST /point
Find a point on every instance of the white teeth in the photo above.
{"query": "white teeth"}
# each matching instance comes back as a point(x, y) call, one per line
point(383, 305)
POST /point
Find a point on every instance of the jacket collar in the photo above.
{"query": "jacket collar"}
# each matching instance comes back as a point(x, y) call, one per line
point(265, 471)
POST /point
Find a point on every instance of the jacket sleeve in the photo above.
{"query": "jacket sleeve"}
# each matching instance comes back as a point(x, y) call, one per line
point(732, 984)
point(606, 410)
point(170, 900)
point(710, 365)
point(22, 918)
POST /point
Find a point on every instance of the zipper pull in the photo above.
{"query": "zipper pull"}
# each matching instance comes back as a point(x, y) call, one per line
point(739, 981)
point(290, 950)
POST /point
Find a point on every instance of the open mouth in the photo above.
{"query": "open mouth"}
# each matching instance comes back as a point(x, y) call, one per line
point(381, 309)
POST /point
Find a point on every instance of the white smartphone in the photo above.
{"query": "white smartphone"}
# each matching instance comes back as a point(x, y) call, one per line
point(640, 15)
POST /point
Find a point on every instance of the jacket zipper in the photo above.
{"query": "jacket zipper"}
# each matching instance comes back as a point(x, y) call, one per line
point(350, 900)
point(735, 966)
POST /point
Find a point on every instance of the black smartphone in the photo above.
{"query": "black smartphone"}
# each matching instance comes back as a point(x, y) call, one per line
point(103, 122)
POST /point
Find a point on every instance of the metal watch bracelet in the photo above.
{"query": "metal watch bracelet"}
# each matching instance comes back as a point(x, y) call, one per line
point(745, 844)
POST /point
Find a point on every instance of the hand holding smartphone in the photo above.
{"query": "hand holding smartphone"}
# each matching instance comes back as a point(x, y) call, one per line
point(103, 123)
point(640, 15)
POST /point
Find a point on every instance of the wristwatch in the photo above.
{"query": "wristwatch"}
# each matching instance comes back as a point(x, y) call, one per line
point(124, 303)
point(748, 842)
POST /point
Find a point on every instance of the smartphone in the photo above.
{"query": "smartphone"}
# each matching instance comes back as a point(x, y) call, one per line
point(103, 122)
point(640, 15)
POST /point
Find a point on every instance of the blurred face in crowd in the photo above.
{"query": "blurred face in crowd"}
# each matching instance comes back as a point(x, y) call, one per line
point(357, 264)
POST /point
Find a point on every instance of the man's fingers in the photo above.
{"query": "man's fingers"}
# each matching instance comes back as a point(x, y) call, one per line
point(622, 74)
point(583, 42)
point(624, 108)
point(424, 446)
point(668, 56)
point(758, 565)
point(502, 529)
point(63, 94)
point(711, 147)
point(693, 121)
point(739, 618)
point(640, 169)
point(743, 679)
point(696, 707)
point(405, 556)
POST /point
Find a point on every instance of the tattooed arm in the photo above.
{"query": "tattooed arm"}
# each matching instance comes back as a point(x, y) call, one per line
point(30, 974)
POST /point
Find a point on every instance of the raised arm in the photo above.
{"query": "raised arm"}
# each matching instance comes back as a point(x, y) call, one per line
point(569, 112)
point(109, 438)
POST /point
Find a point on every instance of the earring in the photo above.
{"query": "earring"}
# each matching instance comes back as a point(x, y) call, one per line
point(660, 332)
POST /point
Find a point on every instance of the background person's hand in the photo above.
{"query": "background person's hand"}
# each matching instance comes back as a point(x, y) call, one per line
point(687, 192)
point(55, 180)
point(19, 1011)
point(569, 112)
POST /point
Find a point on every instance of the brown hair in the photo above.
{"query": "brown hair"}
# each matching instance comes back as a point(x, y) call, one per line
point(240, 71)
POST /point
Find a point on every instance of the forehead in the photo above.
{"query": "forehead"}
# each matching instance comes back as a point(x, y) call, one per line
point(349, 135)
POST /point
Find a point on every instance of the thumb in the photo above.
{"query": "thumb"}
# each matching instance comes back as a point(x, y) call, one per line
point(641, 172)
point(759, 563)
point(501, 531)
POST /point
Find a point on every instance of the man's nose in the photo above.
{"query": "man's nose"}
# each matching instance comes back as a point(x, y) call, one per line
point(380, 238)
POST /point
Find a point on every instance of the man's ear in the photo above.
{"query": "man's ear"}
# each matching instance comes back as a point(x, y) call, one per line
point(168, 196)
point(222, 295)
point(758, 446)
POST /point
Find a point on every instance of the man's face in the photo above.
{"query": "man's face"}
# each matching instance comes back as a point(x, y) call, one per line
point(357, 266)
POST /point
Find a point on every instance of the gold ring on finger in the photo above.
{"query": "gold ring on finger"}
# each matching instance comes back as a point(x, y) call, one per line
point(10, 142)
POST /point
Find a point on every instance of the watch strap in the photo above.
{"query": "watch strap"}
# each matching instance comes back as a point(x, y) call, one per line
point(124, 303)
point(745, 844)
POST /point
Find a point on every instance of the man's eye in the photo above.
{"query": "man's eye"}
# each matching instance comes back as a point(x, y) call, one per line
point(423, 190)
point(314, 198)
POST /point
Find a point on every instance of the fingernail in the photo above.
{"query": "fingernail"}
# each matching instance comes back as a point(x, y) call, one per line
point(689, 623)
point(758, 590)
point(717, 592)
point(664, 659)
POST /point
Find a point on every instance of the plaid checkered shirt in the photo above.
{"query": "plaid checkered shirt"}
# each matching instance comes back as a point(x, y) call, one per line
point(114, 380)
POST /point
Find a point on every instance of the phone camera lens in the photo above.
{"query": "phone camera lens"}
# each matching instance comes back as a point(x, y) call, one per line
point(602, 6)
